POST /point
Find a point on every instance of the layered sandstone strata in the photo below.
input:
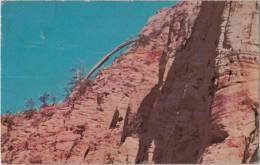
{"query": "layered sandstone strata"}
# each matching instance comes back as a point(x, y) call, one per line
point(185, 92)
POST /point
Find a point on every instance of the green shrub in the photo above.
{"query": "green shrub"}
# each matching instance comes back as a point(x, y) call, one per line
point(29, 104)
point(78, 75)
point(44, 99)
point(8, 122)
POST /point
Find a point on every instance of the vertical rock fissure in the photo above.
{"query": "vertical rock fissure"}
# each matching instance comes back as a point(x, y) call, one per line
point(254, 136)
point(177, 120)
point(148, 103)
point(125, 126)
point(226, 42)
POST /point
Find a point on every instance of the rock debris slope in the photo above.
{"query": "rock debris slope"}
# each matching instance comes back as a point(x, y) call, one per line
point(185, 92)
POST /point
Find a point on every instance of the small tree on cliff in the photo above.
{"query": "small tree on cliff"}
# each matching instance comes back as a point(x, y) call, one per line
point(53, 99)
point(29, 104)
point(143, 40)
point(44, 99)
point(78, 75)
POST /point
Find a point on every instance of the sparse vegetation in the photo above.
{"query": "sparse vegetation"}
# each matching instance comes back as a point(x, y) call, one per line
point(44, 99)
point(78, 75)
point(53, 99)
point(83, 86)
point(143, 40)
point(29, 104)
point(8, 121)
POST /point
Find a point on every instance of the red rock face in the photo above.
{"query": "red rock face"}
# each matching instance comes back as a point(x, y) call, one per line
point(186, 92)
point(235, 106)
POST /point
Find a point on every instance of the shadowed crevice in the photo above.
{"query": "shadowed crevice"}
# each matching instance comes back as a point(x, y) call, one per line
point(177, 117)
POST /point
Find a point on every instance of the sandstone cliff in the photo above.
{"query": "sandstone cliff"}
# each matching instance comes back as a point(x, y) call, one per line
point(185, 92)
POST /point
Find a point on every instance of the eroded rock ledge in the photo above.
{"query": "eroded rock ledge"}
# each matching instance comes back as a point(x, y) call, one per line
point(186, 92)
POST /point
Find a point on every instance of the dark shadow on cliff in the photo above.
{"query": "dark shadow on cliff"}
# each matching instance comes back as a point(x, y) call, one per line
point(175, 115)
